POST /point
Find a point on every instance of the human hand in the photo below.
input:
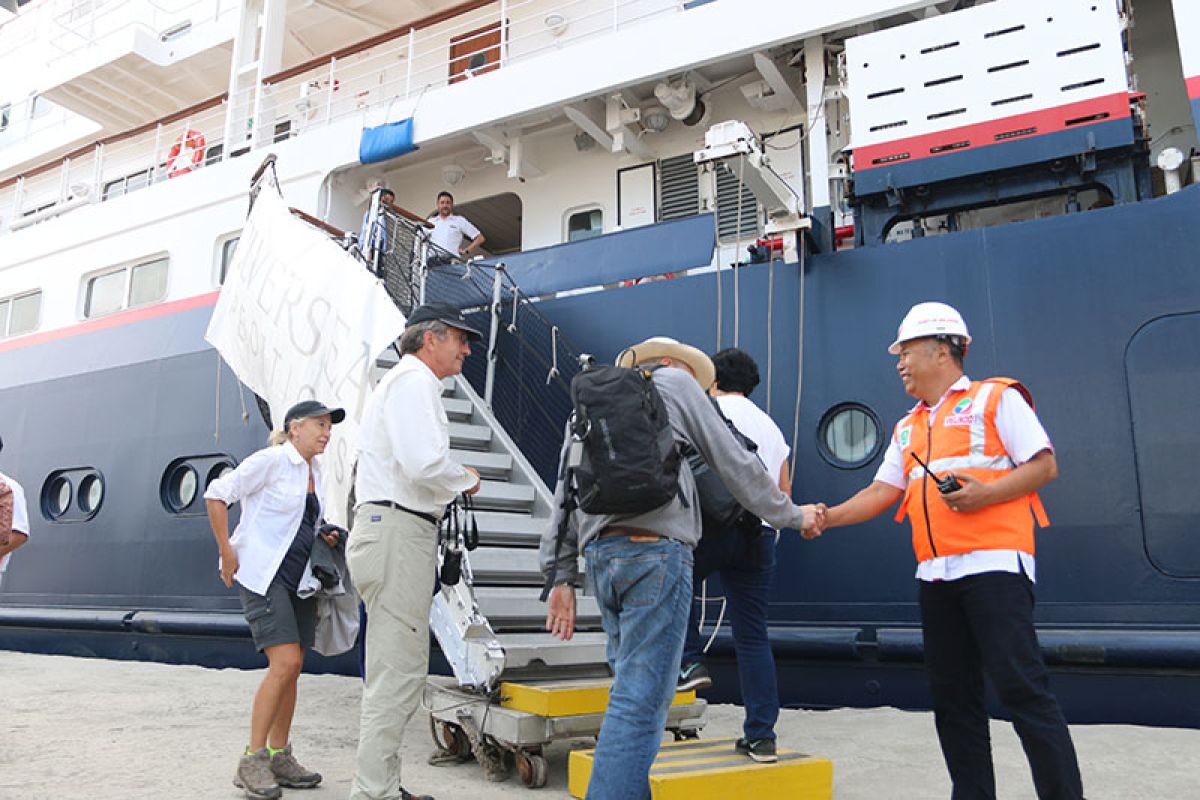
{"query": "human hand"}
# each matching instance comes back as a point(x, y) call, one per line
point(331, 533)
point(972, 496)
point(560, 618)
point(814, 520)
point(474, 488)
point(229, 565)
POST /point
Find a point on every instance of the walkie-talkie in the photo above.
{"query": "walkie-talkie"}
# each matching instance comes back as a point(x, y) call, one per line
point(945, 485)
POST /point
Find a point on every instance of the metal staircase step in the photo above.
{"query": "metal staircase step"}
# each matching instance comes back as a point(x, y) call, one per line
point(505, 565)
point(517, 608)
point(489, 465)
point(447, 386)
point(469, 437)
point(457, 409)
point(496, 527)
point(508, 496)
point(527, 650)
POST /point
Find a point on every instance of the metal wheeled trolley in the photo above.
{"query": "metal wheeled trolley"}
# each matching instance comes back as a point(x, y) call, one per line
point(510, 727)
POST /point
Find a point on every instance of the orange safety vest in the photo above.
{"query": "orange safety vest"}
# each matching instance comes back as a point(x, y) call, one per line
point(961, 438)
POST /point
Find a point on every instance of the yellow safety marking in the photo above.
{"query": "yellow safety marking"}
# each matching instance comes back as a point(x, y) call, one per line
point(565, 698)
point(712, 770)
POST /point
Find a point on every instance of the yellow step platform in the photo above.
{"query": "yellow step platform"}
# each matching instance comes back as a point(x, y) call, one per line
point(569, 698)
point(709, 769)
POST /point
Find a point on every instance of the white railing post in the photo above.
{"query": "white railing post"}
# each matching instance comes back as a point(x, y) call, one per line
point(98, 174)
point(489, 382)
point(503, 32)
point(616, 13)
point(64, 180)
point(154, 158)
point(329, 90)
point(412, 39)
point(18, 198)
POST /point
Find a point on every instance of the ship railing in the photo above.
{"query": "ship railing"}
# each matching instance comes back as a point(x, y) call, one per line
point(370, 83)
point(525, 373)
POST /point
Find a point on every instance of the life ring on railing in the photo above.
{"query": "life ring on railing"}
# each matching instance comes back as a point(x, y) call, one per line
point(186, 154)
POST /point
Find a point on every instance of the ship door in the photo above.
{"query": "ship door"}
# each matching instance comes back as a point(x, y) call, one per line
point(1162, 366)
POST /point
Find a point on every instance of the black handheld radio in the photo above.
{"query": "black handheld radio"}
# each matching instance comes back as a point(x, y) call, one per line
point(945, 485)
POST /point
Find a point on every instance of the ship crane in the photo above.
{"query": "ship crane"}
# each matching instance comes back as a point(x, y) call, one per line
point(734, 143)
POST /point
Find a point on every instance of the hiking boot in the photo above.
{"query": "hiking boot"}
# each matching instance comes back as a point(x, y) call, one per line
point(693, 676)
point(406, 795)
point(289, 773)
point(254, 776)
point(761, 750)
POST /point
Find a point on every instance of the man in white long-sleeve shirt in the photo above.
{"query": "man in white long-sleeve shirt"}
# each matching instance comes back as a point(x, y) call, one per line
point(405, 479)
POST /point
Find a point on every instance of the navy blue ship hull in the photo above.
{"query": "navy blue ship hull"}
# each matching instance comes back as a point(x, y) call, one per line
point(1096, 312)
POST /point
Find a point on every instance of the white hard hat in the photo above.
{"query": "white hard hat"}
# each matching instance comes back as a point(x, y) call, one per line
point(930, 319)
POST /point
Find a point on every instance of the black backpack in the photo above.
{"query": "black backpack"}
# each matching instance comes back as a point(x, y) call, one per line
point(719, 509)
point(622, 459)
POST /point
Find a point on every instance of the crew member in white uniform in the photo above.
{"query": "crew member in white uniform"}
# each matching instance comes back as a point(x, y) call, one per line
point(449, 232)
point(15, 532)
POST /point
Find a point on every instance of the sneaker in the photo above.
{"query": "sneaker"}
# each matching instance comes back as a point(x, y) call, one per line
point(289, 773)
point(406, 795)
point(255, 778)
point(693, 676)
point(761, 750)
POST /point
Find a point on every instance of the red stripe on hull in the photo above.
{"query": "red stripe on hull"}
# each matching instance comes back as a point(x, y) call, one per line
point(1193, 87)
point(113, 321)
point(982, 134)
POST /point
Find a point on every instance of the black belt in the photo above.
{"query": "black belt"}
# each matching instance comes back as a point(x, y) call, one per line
point(425, 515)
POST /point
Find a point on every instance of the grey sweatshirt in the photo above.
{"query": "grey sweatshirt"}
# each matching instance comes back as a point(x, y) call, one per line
point(695, 421)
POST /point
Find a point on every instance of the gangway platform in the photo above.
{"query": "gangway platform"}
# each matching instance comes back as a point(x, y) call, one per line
point(710, 769)
point(511, 727)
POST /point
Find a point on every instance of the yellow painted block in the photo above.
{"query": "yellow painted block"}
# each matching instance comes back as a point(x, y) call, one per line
point(566, 698)
point(710, 769)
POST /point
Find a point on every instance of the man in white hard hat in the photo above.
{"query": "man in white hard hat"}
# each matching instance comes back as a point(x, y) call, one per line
point(972, 514)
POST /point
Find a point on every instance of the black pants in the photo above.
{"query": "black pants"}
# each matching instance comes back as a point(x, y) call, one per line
point(983, 624)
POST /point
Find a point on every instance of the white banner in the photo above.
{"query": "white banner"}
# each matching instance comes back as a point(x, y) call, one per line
point(298, 318)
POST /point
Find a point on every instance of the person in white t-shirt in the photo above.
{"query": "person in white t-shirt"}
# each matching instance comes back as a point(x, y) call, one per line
point(449, 232)
point(17, 527)
point(746, 564)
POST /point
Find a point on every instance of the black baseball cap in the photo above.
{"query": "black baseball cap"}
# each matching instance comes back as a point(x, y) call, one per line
point(312, 408)
point(445, 313)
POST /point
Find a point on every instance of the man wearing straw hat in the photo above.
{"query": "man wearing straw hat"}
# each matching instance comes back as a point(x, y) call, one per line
point(641, 566)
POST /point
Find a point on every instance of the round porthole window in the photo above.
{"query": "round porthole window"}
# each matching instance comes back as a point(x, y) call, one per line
point(91, 493)
point(849, 435)
point(181, 487)
point(217, 471)
point(58, 496)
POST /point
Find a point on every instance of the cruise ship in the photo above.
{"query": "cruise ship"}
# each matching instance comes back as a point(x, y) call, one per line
point(788, 177)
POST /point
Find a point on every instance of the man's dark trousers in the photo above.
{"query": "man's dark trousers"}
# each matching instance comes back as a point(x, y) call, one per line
point(746, 565)
point(983, 624)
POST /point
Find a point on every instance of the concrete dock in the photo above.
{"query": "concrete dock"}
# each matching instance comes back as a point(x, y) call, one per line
point(108, 730)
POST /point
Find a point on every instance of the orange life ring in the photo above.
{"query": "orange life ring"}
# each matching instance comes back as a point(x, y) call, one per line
point(189, 145)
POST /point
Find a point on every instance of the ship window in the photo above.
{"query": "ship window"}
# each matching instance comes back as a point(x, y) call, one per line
point(20, 314)
point(134, 285)
point(91, 493)
point(585, 224)
point(38, 106)
point(219, 470)
point(181, 487)
point(227, 248)
point(129, 183)
point(848, 435)
point(56, 499)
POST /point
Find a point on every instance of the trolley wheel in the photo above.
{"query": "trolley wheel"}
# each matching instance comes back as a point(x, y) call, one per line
point(682, 734)
point(450, 738)
point(532, 768)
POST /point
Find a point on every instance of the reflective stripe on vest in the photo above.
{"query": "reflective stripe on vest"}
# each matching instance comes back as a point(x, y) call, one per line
point(961, 437)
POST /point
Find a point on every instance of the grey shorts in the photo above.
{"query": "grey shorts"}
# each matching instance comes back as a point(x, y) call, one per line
point(280, 617)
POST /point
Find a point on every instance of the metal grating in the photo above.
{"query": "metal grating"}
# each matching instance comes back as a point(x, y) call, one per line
point(727, 207)
point(679, 187)
point(978, 65)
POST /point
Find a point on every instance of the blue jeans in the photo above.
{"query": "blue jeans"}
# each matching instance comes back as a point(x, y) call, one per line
point(643, 590)
point(746, 566)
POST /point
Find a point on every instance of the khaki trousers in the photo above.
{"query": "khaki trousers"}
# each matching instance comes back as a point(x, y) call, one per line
point(392, 556)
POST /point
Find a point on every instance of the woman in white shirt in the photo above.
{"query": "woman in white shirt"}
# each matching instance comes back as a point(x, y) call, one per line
point(280, 489)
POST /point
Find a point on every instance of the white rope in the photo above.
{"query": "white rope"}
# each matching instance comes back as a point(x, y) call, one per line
point(717, 627)
point(737, 252)
point(553, 373)
point(717, 241)
point(217, 420)
point(799, 363)
point(704, 614)
point(770, 319)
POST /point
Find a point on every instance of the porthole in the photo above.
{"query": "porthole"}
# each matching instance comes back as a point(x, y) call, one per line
point(218, 470)
point(56, 498)
point(848, 435)
point(181, 487)
point(91, 493)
